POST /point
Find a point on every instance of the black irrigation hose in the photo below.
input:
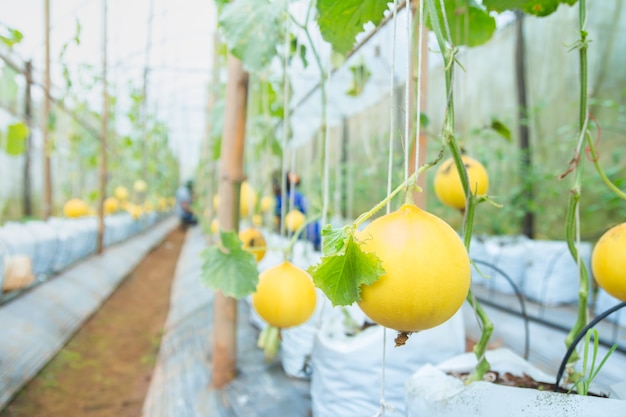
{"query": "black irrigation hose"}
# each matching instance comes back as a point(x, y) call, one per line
point(578, 338)
point(520, 298)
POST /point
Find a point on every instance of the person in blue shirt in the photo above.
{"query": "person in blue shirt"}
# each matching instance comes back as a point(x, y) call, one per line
point(295, 200)
point(184, 198)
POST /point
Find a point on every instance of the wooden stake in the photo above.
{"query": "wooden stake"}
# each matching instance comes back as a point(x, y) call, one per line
point(231, 177)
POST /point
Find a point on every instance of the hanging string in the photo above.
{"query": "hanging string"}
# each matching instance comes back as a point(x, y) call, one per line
point(418, 99)
point(384, 406)
point(283, 170)
point(325, 168)
point(326, 126)
point(392, 107)
point(407, 93)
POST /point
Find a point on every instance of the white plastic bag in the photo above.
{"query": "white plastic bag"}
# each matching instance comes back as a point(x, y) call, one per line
point(347, 370)
point(510, 255)
point(552, 274)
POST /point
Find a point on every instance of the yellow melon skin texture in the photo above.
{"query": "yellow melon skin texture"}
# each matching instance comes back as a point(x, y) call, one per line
point(427, 270)
point(294, 220)
point(608, 261)
point(285, 296)
point(75, 207)
point(253, 238)
point(447, 184)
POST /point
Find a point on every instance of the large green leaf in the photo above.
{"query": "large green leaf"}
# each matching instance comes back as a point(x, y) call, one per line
point(341, 21)
point(252, 30)
point(341, 275)
point(16, 136)
point(469, 23)
point(229, 268)
point(534, 7)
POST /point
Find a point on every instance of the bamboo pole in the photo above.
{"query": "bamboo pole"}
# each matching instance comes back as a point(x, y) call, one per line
point(47, 175)
point(231, 177)
point(103, 140)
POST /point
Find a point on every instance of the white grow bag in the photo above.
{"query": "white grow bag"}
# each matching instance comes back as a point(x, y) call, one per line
point(552, 274)
point(347, 370)
point(432, 392)
point(507, 253)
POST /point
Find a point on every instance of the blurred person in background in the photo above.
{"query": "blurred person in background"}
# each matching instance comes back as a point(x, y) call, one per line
point(184, 198)
point(295, 200)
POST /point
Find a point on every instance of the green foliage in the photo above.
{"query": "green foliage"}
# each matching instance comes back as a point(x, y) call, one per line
point(360, 75)
point(469, 23)
point(534, 7)
point(589, 372)
point(501, 129)
point(229, 268)
point(243, 21)
point(15, 139)
point(10, 36)
point(341, 21)
point(341, 273)
point(297, 49)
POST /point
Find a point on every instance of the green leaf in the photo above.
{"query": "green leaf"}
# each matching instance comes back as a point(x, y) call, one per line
point(534, 7)
point(469, 23)
point(16, 139)
point(341, 275)
point(252, 30)
point(299, 50)
point(333, 239)
point(360, 75)
point(341, 21)
point(229, 268)
point(13, 37)
point(501, 129)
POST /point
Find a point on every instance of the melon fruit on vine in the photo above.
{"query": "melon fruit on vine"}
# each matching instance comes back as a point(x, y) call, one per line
point(608, 261)
point(447, 184)
point(285, 296)
point(427, 270)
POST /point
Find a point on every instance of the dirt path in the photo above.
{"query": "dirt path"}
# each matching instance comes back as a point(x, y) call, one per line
point(105, 369)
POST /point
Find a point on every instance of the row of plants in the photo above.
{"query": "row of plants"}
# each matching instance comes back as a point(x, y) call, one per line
point(372, 260)
point(139, 155)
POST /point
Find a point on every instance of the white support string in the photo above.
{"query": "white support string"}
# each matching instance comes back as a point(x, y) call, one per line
point(384, 406)
point(392, 107)
point(418, 99)
point(326, 180)
point(407, 93)
point(283, 170)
